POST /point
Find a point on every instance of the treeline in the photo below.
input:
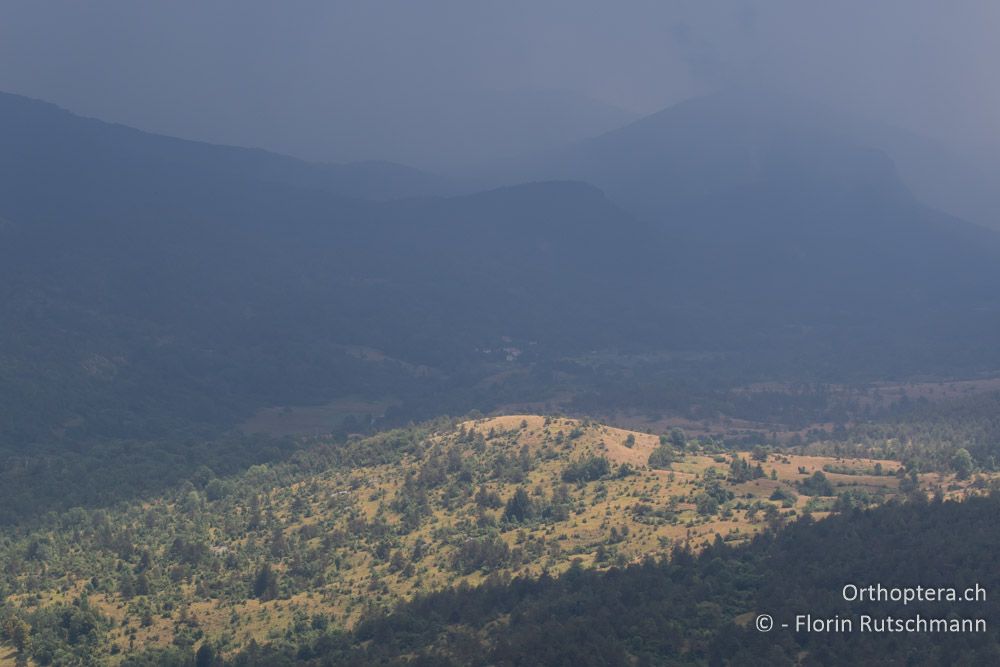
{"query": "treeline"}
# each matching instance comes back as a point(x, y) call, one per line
point(101, 474)
point(925, 435)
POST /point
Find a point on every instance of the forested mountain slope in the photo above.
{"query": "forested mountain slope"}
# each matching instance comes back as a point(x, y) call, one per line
point(155, 289)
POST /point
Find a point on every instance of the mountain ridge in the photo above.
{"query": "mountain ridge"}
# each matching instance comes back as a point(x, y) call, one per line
point(145, 295)
point(39, 122)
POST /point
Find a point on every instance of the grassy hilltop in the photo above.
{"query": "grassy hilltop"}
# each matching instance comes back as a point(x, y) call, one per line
point(350, 528)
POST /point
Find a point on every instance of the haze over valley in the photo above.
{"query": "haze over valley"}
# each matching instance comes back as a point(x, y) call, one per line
point(368, 353)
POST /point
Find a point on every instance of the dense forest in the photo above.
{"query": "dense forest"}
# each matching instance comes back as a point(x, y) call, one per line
point(928, 434)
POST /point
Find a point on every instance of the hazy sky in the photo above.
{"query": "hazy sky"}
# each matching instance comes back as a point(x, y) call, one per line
point(464, 79)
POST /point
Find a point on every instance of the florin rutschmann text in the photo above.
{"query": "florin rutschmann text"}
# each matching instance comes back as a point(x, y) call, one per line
point(876, 623)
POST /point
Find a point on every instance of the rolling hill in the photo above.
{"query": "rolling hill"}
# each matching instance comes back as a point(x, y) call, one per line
point(346, 530)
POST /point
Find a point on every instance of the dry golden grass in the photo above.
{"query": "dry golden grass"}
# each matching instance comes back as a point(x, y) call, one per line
point(332, 499)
